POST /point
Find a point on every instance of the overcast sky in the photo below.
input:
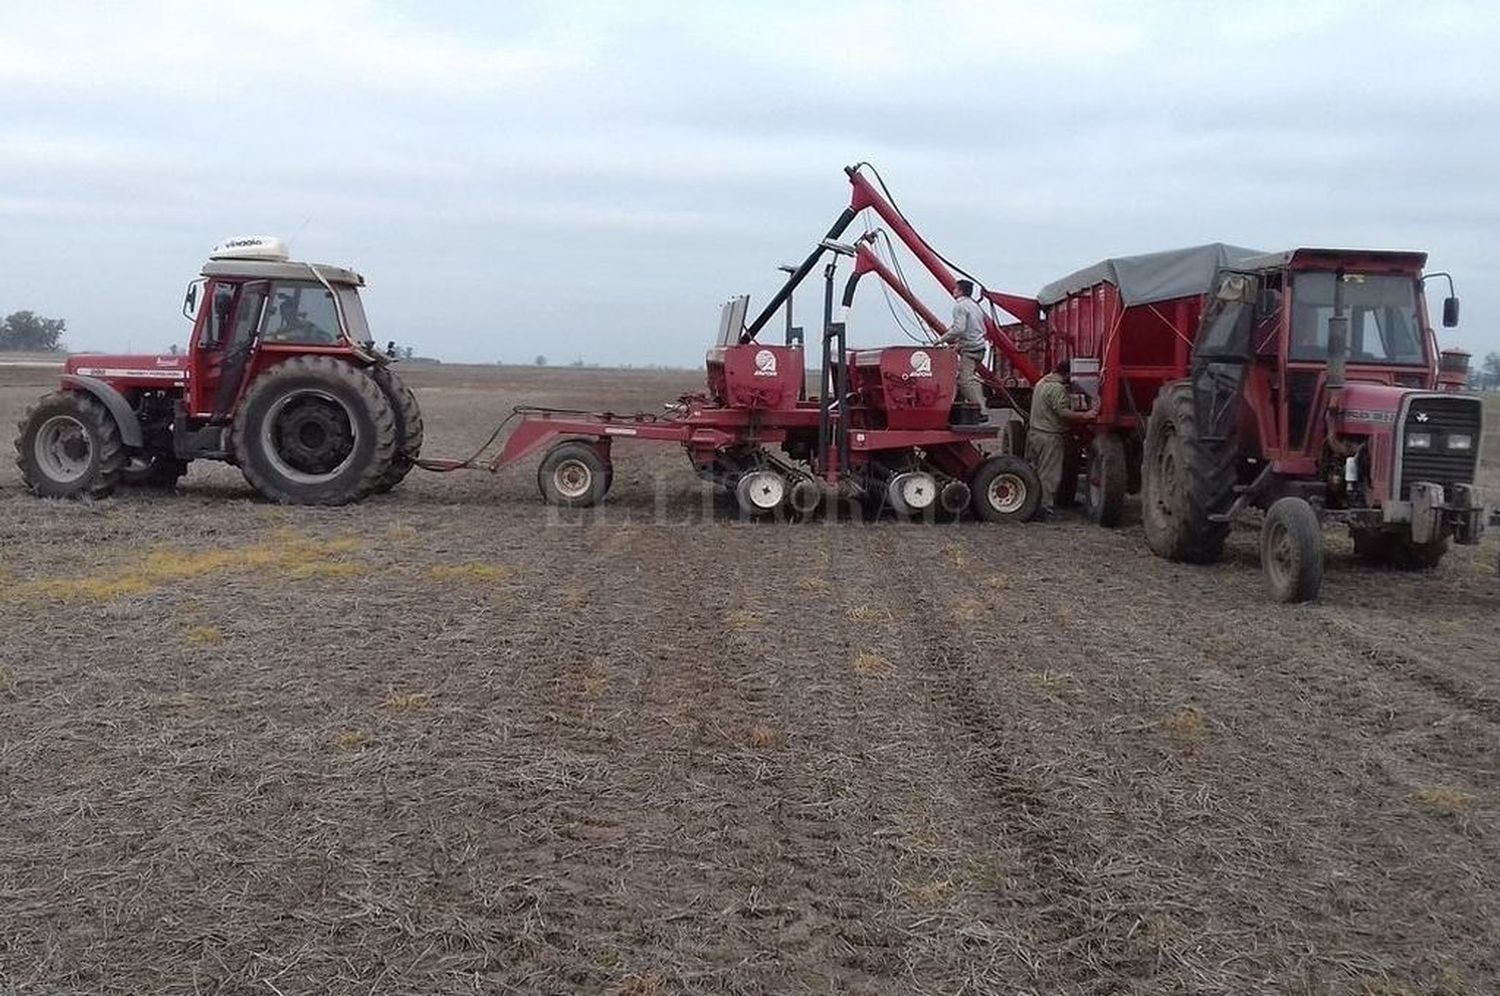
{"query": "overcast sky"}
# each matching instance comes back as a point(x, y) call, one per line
point(593, 181)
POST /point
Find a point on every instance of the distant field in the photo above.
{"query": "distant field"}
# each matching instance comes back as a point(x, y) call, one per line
point(452, 740)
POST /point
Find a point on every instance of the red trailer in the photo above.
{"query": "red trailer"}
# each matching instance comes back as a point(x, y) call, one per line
point(1128, 324)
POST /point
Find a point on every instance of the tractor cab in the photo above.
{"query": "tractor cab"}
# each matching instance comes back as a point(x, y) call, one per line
point(253, 307)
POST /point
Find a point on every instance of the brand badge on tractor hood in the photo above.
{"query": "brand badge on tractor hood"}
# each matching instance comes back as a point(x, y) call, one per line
point(1423, 416)
point(765, 363)
point(921, 364)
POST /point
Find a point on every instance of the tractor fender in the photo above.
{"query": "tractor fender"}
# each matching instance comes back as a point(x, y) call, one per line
point(125, 418)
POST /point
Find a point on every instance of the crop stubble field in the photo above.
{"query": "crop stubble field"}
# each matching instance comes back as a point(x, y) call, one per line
point(451, 740)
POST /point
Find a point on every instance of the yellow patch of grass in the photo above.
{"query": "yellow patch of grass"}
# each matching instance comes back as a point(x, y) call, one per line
point(204, 634)
point(743, 618)
point(405, 701)
point(931, 893)
point(289, 553)
point(1187, 729)
point(868, 613)
point(872, 664)
point(1442, 800)
point(7, 682)
point(1056, 682)
point(351, 740)
point(400, 533)
point(813, 586)
point(649, 984)
point(955, 554)
point(459, 573)
point(968, 610)
point(764, 736)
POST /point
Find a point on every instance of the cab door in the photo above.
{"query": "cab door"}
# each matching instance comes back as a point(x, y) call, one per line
point(227, 336)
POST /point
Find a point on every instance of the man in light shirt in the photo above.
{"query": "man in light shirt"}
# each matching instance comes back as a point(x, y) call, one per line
point(966, 334)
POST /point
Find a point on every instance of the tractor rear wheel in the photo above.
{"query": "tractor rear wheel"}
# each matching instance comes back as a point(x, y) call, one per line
point(314, 431)
point(409, 429)
point(1185, 481)
point(1105, 498)
point(1005, 489)
point(68, 446)
point(573, 475)
point(1291, 551)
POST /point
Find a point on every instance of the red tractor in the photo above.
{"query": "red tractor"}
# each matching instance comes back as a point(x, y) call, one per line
point(1314, 394)
point(280, 378)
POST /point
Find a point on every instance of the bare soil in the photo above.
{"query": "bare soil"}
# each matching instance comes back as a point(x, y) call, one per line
point(453, 740)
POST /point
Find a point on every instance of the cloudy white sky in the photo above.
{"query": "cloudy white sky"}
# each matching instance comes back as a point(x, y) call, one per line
point(593, 180)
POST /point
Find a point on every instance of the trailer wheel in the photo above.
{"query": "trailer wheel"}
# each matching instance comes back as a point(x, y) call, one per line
point(409, 429)
point(1105, 498)
point(68, 446)
point(573, 475)
point(1291, 551)
point(314, 430)
point(1005, 489)
point(1185, 481)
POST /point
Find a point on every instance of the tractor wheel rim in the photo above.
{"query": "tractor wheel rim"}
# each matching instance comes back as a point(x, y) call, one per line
point(64, 449)
point(1166, 476)
point(310, 436)
point(573, 478)
point(1007, 493)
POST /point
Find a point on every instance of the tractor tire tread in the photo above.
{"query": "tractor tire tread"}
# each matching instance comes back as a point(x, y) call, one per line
point(409, 428)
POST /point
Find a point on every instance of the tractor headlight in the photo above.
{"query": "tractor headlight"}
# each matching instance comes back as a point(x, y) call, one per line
point(1419, 440)
point(1461, 441)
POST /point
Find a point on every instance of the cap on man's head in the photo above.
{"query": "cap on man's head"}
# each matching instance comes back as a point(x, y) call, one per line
point(1063, 368)
point(964, 287)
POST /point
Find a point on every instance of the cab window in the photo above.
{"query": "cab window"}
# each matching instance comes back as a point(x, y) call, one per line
point(1382, 312)
point(301, 311)
point(220, 307)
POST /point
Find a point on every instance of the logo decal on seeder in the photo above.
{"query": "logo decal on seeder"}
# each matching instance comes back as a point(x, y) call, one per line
point(765, 363)
point(921, 364)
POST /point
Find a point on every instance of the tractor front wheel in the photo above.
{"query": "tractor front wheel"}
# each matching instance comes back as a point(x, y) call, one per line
point(314, 431)
point(1291, 551)
point(68, 446)
point(1005, 489)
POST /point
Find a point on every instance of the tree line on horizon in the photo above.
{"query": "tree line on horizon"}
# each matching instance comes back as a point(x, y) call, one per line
point(28, 332)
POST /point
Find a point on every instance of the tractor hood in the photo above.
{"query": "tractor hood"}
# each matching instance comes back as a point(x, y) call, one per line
point(1371, 403)
point(136, 370)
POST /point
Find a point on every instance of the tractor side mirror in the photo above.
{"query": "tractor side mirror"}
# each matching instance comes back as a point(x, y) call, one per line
point(190, 302)
point(1450, 312)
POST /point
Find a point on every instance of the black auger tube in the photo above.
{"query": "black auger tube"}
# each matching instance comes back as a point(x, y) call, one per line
point(773, 305)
